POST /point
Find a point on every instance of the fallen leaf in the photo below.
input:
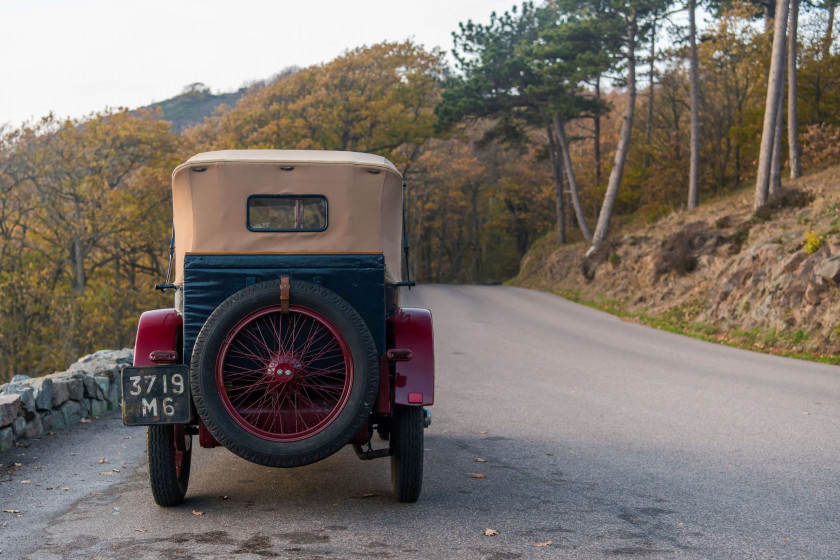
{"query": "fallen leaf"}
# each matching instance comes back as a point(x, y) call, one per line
point(550, 454)
point(22, 444)
point(53, 488)
point(477, 475)
point(11, 510)
point(784, 539)
point(140, 530)
point(483, 432)
point(806, 413)
point(366, 495)
point(106, 472)
point(539, 544)
point(103, 460)
point(65, 489)
point(128, 437)
point(198, 512)
point(116, 470)
point(479, 460)
point(86, 420)
point(25, 481)
point(490, 532)
point(17, 464)
point(223, 497)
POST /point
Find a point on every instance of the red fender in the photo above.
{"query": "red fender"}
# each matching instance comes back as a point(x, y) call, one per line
point(414, 382)
point(157, 332)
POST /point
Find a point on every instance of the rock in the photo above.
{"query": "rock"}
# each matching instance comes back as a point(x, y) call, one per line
point(9, 407)
point(27, 395)
point(104, 362)
point(74, 381)
point(61, 392)
point(76, 389)
point(829, 269)
point(33, 428)
point(812, 293)
point(103, 385)
point(18, 425)
point(7, 439)
point(98, 408)
point(71, 411)
point(44, 392)
point(91, 388)
point(115, 395)
point(52, 420)
point(20, 377)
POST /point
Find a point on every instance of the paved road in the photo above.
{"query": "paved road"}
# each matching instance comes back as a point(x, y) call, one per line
point(607, 438)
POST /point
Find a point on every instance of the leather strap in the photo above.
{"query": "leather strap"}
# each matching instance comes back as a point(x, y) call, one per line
point(284, 295)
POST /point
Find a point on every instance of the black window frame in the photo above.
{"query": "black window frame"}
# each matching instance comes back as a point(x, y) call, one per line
point(287, 196)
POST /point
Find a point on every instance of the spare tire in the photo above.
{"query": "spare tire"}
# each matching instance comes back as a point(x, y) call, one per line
point(284, 389)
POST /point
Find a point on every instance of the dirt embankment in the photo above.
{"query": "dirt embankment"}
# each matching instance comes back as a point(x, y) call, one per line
point(768, 280)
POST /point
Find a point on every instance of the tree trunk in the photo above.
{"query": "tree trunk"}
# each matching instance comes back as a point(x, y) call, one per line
point(557, 169)
point(771, 106)
point(770, 10)
point(794, 159)
point(560, 129)
point(776, 165)
point(623, 140)
point(829, 32)
point(693, 173)
point(651, 83)
point(597, 127)
point(79, 262)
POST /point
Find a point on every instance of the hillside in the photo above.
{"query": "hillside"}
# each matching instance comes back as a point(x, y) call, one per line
point(193, 106)
point(769, 282)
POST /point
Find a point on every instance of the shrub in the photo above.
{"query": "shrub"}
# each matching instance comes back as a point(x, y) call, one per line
point(821, 144)
point(813, 241)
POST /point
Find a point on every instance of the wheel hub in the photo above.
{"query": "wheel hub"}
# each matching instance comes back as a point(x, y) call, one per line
point(282, 369)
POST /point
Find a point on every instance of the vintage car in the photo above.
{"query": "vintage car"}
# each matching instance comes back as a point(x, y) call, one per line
point(286, 341)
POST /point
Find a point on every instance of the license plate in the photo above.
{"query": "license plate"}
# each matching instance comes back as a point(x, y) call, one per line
point(156, 395)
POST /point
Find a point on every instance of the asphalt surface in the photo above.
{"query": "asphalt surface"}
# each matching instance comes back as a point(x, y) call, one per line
point(606, 438)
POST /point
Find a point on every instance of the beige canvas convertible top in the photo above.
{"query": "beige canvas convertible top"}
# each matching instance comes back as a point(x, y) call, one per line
point(363, 192)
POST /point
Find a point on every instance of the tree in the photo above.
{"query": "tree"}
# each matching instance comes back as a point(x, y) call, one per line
point(632, 15)
point(377, 99)
point(774, 95)
point(693, 174)
point(525, 70)
point(793, 122)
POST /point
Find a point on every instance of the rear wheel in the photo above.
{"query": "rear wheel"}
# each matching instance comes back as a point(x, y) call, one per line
point(407, 452)
point(169, 453)
point(284, 387)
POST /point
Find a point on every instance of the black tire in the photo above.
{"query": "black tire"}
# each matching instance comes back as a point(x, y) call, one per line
point(407, 452)
point(168, 481)
point(249, 442)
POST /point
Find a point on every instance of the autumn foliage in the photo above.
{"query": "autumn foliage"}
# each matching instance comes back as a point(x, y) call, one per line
point(85, 207)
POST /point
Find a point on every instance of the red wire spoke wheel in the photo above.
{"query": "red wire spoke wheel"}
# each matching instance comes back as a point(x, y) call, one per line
point(284, 377)
point(284, 389)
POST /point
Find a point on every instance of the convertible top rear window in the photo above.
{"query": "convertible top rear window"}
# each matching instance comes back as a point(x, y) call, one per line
point(287, 212)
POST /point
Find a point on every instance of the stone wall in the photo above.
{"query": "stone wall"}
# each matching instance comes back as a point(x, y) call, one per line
point(90, 387)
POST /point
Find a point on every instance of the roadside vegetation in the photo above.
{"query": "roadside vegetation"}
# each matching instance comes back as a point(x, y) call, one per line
point(559, 126)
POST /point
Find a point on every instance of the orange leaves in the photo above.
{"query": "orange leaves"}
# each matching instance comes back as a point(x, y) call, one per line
point(371, 99)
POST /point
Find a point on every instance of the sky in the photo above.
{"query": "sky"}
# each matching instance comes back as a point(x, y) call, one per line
point(77, 57)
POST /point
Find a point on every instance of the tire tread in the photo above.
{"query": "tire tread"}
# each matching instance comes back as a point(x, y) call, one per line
point(330, 298)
